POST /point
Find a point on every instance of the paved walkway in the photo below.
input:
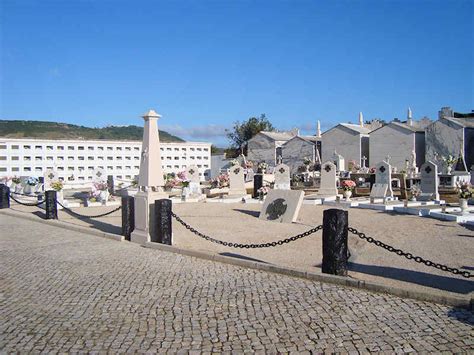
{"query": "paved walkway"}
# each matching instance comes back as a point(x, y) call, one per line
point(66, 291)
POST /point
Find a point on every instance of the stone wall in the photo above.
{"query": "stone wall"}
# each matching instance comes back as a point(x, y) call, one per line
point(344, 141)
point(443, 137)
point(394, 141)
point(262, 148)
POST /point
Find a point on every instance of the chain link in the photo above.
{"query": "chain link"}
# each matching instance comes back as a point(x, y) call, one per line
point(86, 216)
point(410, 256)
point(246, 246)
point(36, 204)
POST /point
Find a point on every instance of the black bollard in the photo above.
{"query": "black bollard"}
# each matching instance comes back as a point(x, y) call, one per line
point(4, 196)
point(162, 231)
point(128, 216)
point(335, 225)
point(110, 184)
point(51, 207)
point(257, 183)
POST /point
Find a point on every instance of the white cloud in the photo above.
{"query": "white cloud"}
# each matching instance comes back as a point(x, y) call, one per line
point(209, 131)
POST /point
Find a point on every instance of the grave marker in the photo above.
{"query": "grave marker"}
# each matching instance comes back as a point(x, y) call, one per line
point(282, 206)
point(429, 182)
point(383, 175)
point(282, 177)
point(236, 181)
point(328, 180)
point(192, 173)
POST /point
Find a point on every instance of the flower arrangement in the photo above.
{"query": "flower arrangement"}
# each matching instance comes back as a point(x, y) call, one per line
point(263, 190)
point(348, 185)
point(234, 162)
point(5, 179)
point(464, 190)
point(171, 182)
point(220, 181)
point(306, 161)
point(372, 170)
point(353, 166)
point(32, 181)
point(100, 186)
point(135, 182)
point(182, 175)
point(249, 164)
point(16, 180)
point(449, 160)
point(57, 185)
point(415, 190)
point(262, 166)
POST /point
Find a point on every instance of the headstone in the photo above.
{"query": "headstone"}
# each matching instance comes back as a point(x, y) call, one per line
point(236, 181)
point(378, 191)
point(429, 182)
point(192, 173)
point(49, 177)
point(339, 161)
point(282, 206)
point(282, 177)
point(383, 175)
point(99, 175)
point(328, 186)
point(250, 175)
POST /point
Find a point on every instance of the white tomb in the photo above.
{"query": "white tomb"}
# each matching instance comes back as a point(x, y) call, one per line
point(282, 177)
point(237, 182)
point(49, 176)
point(429, 182)
point(383, 176)
point(150, 181)
point(328, 185)
point(339, 161)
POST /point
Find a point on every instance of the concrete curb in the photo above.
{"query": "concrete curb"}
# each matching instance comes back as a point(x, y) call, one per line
point(64, 225)
point(449, 300)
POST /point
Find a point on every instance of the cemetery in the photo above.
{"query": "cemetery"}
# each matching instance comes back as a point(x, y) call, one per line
point(265, 202)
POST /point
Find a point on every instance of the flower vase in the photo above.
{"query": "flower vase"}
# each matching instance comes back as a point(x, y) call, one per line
point(27, 189)
point(347, 195)
point(104, 196)
point(60, 196)
point(18, 188)
point(463, 205)
point(185, 191)
point(449, 169)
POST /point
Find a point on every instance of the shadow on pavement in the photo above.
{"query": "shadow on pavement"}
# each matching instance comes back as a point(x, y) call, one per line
point(250, 213)
point(238, 256)
point(421, 278)
point(102, 226)
point(462, 315)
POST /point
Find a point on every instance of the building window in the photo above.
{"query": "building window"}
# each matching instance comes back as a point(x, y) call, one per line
point(3, 157)
point(24, 147)
point(27, 158)
point(176, 158)
point(176, 149)
point(38, 168)
point(80, 148)
point(110, 168)
point(110, 158)
point(70, 168)
point(119, 176)
point(136, 148)
point(168, 149)
point(3, 146)
point(26, 168)
point(128, 176)
point(90, 168)
point(118, 158)
point(191, 149)
point(183, 149)
point(15, 147)
point(80, 158)
point(38, 158)
point(176, 166)
point(136, 167)
point(81, 178)
point(206, 166)
point(39, 147)
point(90, 148)
point(100, 167)
point(100, 158)
point(136, 158)
point(128, 167)
point(60, 147)
point(128, 148)
point(60, 168)
point(70, 147)
point(81, 168)
point(2, 169)
point(15, 168)
point(49, 147)
point(49, 158)
point(206, 149)
point(60, 158)
point(100, 148)
point(110, 148)
point(118, 167)
point(15, 158)
point(119, 148)
point(70, 158)
point(90, 158)
point(199, 149)
point(128, 158)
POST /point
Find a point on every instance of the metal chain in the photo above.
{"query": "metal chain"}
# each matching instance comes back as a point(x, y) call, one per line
point(36, 204)
point(85, 216)
point(19, 194)
point(410, 256)
point(124, 188)
point(246, 246)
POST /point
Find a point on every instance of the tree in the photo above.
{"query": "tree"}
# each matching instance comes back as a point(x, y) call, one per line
point(241, 133)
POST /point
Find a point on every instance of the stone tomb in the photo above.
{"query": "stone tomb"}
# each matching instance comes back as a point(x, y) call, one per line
point(282, 177)
point(429, 182)
point(383, 176)
point(237, 181)
point(49, 177)
point(192, 173)
point(99, 175)
point(282, 206)
point(328, 187)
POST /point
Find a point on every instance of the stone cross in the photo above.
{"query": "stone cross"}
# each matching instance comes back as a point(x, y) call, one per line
point(387, 159)
point(364, 159)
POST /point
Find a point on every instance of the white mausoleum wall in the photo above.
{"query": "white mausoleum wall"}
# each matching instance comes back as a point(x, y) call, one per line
point(345, 142)
point(262, 149)
point(443, 137)
point(394, 141)
point(294, 151)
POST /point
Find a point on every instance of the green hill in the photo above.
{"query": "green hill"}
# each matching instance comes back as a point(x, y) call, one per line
point(56, 130)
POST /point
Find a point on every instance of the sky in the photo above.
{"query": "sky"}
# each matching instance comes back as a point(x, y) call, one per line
point(204, 65)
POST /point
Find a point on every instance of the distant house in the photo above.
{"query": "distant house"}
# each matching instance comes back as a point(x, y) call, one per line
point(349, 140)
point(451, 134)
point(397, 140)
point(267, 146)
point(298, 148)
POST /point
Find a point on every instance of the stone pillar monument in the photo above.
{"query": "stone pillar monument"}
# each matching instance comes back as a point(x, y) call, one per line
point(150, 181)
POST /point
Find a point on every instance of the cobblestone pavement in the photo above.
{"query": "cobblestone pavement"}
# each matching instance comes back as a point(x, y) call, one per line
point(65, 291)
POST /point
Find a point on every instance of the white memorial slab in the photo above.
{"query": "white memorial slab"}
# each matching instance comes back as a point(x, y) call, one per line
point(49, 177)
point(150, 180)
point(237, 181)
point(339, 161)
point(99, 175)
point(429, 182)
point(192, 173)
point(282, 206)
point(282, 177)
point(328, 187)
point(383, 175)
